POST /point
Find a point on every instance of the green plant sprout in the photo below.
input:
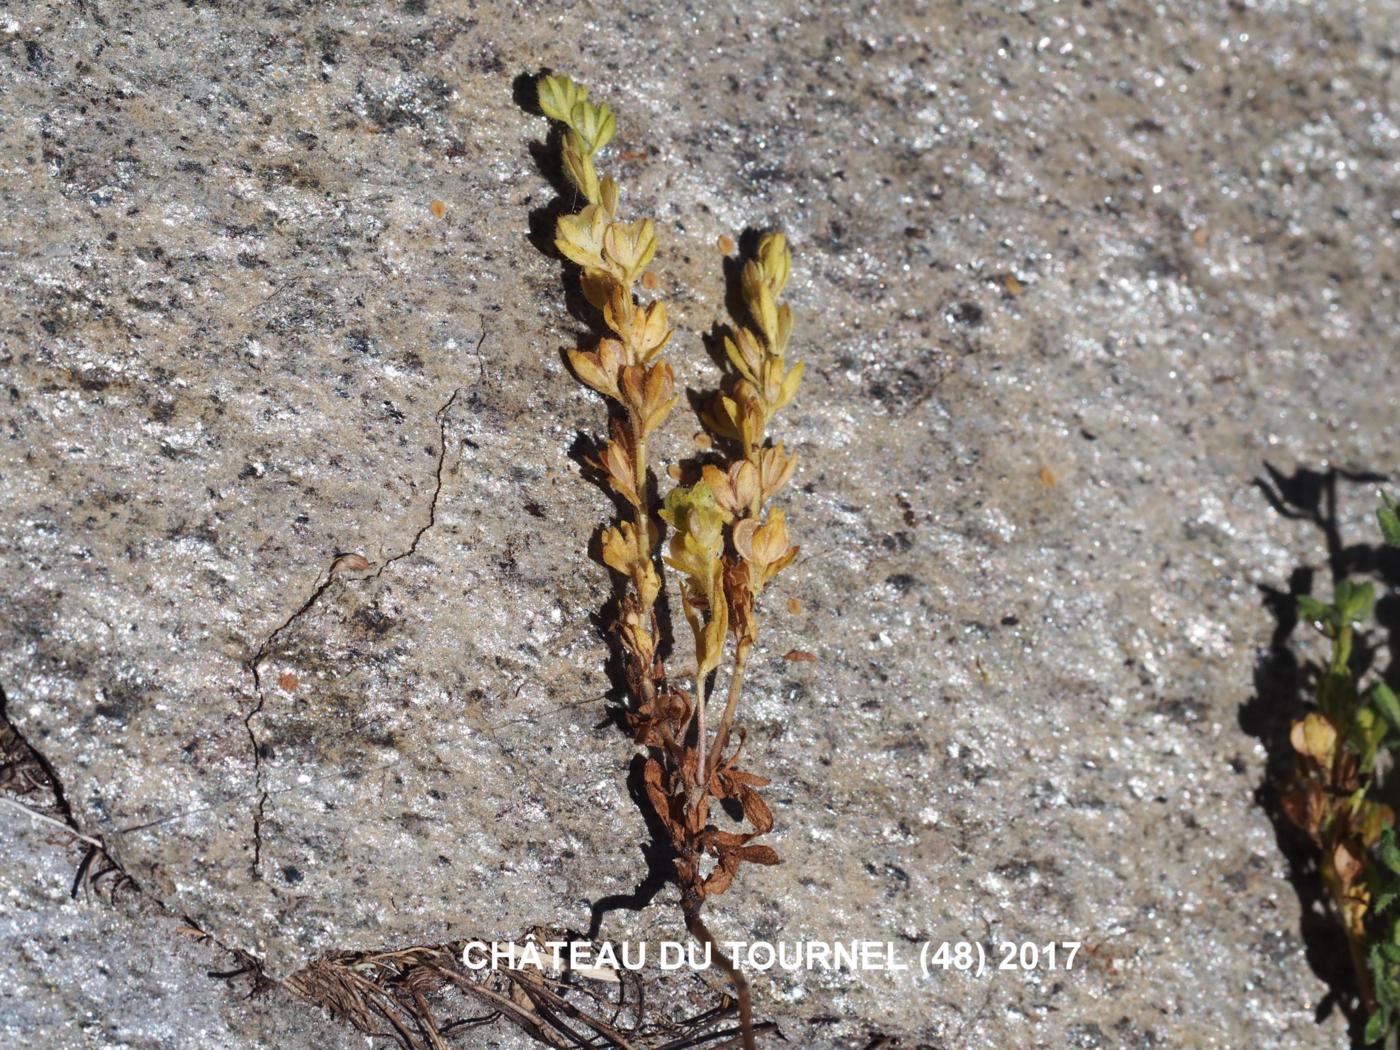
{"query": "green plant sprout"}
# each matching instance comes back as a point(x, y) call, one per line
point(724, 546)
point(1337, 745)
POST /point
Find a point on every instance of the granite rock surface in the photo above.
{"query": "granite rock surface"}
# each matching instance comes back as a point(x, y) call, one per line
point(296, 598)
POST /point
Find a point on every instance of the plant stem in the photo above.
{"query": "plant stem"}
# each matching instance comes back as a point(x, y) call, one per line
point(1363, 972)
point(691, 904)
point(736, 685)
point(700, 771)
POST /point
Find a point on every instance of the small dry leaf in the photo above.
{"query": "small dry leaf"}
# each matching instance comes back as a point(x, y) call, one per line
point(1306, 808)
point(1011, 284)
point(756, 811)
point(722, 877)
point(1347, 864)
point(794, 606)
point(438, 208)
point(1315, 737)
point(759, 855)
point(1047, 476)
point(352, 563)
point(649, 281)
point(288, 682)
point(800, 656)
point(725, 244)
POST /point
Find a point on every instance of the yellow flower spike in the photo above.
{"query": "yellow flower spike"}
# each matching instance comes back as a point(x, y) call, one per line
point(694, 513)
point(697, 543)
point(677, 502)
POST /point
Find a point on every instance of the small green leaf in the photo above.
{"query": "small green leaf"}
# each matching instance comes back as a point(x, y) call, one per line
point(1384, 987)
point(1312, 610)
point(1389, 853)
point(1389, 518)
point(1375, 1028)
point(1383, 699)
point(1354, 601)
point(1368, 729)
point(1386, 898)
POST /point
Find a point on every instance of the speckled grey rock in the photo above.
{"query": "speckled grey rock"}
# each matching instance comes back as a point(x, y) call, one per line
point(1066, 277)
point(87, 973)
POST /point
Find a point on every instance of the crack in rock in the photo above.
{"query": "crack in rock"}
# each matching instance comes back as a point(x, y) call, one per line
point(260, 698)
point(343, 562)
point(441, 417)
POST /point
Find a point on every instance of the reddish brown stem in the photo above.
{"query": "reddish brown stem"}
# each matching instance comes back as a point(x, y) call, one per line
point(692, 904)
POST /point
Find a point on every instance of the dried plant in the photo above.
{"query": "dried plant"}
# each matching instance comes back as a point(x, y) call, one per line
point(1332, 799)
point(723, 547)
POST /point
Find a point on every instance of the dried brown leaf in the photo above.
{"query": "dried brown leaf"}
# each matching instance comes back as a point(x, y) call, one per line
point(760, 855)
